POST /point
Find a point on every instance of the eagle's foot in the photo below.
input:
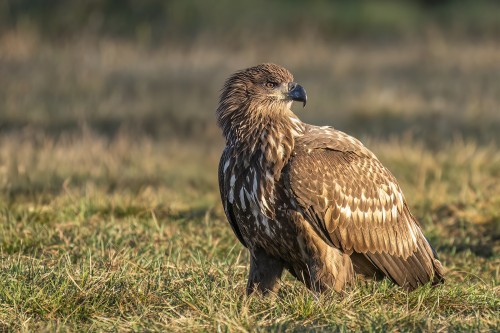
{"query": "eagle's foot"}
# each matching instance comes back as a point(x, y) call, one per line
point(265, 272)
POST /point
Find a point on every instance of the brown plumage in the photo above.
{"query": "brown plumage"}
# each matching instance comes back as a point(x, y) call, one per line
point(311, 199)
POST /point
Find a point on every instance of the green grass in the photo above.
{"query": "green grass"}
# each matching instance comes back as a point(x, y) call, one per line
point(120, 251)
point(110, 216)
point(154, 21)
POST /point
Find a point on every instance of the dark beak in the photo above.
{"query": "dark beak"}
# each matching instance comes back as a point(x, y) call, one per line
point(297, 93)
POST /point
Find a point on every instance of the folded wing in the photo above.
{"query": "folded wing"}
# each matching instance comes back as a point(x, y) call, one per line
point(344, 190)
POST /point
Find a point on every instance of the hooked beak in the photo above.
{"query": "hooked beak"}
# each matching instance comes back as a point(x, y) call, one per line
point(297, 93)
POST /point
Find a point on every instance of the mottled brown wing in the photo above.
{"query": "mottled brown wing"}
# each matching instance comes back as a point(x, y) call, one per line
point(355, 199)
point(225, 169)
point(345, 190)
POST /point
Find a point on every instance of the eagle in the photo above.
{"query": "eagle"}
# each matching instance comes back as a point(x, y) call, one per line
point(311, 199)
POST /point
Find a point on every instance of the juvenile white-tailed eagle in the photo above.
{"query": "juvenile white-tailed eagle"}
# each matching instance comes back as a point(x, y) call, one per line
point(311, 199)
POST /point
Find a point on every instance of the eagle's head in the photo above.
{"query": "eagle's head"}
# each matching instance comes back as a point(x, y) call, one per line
point(264, 90)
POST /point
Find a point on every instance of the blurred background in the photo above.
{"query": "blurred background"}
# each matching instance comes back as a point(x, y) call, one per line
point(82, 81)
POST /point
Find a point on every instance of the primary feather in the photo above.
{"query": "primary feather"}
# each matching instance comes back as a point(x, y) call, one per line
point(311, 199)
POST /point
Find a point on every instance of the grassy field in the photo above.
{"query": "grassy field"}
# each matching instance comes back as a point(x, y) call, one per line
point(110, 217)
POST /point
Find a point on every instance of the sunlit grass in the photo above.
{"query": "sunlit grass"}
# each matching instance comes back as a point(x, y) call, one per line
point(141, 243)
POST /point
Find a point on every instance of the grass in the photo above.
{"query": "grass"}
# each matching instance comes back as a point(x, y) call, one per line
point(110, 217)
point(127, 238)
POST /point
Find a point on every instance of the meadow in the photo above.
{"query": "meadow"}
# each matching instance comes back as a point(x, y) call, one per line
point(110, 216)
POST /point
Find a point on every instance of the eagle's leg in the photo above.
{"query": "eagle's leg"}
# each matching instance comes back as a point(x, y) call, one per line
point(333, 272)
point(324, 266)
point(265, 271)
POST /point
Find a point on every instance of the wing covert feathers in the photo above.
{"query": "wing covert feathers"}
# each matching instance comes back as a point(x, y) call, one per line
point(344, 189)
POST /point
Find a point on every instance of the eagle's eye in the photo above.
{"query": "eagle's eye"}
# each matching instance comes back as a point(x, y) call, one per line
point(270, 84)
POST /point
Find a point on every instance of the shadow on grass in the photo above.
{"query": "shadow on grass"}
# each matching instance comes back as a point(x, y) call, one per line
point(463, 234)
